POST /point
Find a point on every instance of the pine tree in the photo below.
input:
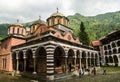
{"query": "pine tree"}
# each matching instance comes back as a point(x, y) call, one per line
point(83, 36)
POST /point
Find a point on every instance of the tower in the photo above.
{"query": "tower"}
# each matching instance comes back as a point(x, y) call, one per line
point(16, 29)
point(58, 20)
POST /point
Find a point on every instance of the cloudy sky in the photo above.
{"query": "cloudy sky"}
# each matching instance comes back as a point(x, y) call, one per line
point(30, 10)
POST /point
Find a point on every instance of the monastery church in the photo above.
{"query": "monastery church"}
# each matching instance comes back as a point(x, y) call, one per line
point(45, 48)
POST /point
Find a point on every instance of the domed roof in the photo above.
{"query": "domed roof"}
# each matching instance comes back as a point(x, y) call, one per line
point(57, 14)
point(18, 24)
point(39, 21)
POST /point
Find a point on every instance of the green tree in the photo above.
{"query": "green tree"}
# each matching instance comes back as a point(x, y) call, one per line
point(83, 36)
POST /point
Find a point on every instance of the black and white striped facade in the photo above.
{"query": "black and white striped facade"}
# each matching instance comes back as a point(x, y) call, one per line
point(110, 48)
point(49, 53)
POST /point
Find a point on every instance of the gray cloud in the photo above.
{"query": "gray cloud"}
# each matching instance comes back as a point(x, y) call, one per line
point(29, 10)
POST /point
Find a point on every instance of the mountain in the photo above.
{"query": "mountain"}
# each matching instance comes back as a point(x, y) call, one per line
point(96, 26)
point(3, 30)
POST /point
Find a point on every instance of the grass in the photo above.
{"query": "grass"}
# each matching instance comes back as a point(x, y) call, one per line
point(4, 77)
point(113, 75)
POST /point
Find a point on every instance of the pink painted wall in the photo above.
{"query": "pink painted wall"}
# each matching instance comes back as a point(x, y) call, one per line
point(5, 51)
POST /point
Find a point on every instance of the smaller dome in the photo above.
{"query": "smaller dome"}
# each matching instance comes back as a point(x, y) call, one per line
point(57, 14)
point(40, 22)
point(18, 24)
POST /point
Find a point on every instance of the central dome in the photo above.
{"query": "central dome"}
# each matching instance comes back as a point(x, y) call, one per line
point(57, 14)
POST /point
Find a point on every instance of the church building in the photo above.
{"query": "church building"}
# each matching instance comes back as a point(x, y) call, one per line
point(45, 48)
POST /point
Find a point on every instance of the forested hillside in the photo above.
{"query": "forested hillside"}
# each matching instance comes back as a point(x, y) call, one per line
point(96, 26)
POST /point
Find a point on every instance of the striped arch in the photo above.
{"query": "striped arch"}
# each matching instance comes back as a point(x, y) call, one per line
point(83, 60)
point(59, 59)
point(29, 60)
point(14, 61)
point(70, 59)
point(41, 60)
point(106, 60)
point(21, 61)
point(78, 58)
point(115, 60)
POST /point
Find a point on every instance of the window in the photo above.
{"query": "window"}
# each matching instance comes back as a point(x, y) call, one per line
point(4, 63)
point(52, 21)
point(13, 30)
point(22, 31)
point(18, 31)
point(59, 21)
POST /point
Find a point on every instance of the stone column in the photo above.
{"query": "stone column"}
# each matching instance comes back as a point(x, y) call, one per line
point(94, 59)
point(66, 61)
point(98, 60)
point(17, 57)
point(90, 59)
point(75, 60)
point(86, 60)
point(24, 64)
point(50, 63)
point(24, 56)
point(80, 59)
point(34, 60)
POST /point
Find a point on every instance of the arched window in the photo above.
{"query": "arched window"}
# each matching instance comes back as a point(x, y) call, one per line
point(22, 31)
point(52, 21)
point(13, 30)
point(18, 31)
point(105, 48)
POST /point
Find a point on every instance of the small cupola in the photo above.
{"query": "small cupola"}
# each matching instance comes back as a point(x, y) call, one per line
point(17, 29)
point(36, 25)
point(57, 18)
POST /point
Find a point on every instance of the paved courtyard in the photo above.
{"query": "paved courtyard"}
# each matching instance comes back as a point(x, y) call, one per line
point(113, 75)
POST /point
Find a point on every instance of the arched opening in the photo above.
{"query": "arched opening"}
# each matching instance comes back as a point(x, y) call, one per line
point(114, 51)
point(118, 50)
point(113, 44)
point(110, 52)
point(41, 60)
point(83, 60)
point(59, 60)
point(96, 59)
point(109, 47)
point(29, 61)
point(106, 53)
point(118, 43)
point(14, 61)
point(89, 59)
point(110, 59)
point(21, 61)
point(106, 60)
point(115, 60)
point(101, 60)
point(92, 59)
point(70, 60)
point(105, 47)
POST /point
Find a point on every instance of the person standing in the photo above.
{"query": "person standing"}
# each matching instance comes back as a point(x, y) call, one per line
point(94, 71)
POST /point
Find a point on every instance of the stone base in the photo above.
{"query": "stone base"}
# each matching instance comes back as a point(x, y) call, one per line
point(50, 78)
point(17, 72)
point(34, 72)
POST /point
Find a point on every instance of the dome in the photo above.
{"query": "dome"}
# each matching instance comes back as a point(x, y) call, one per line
point(57, 14)
point(40, 22)
point(18, 24)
